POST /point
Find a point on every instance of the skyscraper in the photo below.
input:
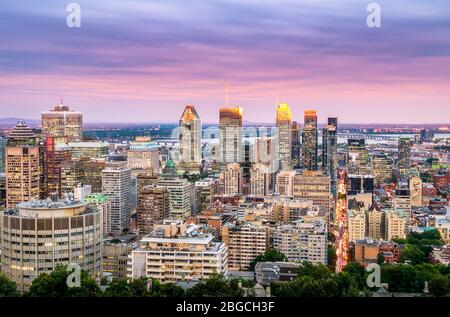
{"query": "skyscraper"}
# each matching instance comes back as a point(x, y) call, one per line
point(329, 152)
point(284, 134)
point(62, 122)
point(190, 140)
point(309, 141)
point(232, 179)
point(116, 184)
point(22, 166)
point(296, 146)
point(381, 168)
point(357, 156)
point(56, 152)
point(404, 154)
point(260, 180)
point(3, 143)
point(230, 126)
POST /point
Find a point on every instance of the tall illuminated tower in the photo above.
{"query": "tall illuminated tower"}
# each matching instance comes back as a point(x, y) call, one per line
point(62, 122)
point(230, 126)
point(296, 145)
point(284, 133)
point(190, 139)
point(357, 156)
point(329, 152)
point(309, 141)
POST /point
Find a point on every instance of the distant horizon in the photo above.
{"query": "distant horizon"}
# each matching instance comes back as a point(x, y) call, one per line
point(143, 61)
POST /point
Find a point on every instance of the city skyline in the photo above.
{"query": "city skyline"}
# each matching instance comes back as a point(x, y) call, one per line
point(309, 55)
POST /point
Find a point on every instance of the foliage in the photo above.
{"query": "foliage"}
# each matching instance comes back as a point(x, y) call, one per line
point(271, 255)
point(55, 285)
point(142, 287)
point(8, 288)
point(216, 286)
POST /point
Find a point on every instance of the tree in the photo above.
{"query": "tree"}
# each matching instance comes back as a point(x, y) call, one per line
point(7, 288)
point(317, 272)
point(380, 258)
point(357, 273)
point(142, 287)
point(216, 286)
point(271, 255)
point(332, 258)
point(412, 254)
point(55, 285)
point(440, 286)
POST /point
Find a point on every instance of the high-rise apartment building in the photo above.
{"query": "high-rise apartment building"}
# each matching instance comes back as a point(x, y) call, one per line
point(116, 184)
point(314, 186)
point(260, 180)
point(22, 166)
point(178, 252)
point(3, 143)
point(375, 223)
point(356, 220)
point(303, 241)
point(181, 196)
point(402, 204)
point(37, 236)
point(329, 152)
point(62, 122)
point(284, 136)
point(284, 183)
point(309, 141)
point(153, 206)
point(230, 143)
point(232, 179)
point(190, 140)
point(395, 225)
point(357, 156)
point(245, 241)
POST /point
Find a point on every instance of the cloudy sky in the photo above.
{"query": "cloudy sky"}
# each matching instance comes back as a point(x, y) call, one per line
point(143, 60)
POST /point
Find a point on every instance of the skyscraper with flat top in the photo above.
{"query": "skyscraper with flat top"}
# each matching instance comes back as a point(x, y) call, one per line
point(62, 122)
point(309, 141)
point(284, 134)
point(296, 145)
point(190, 140)
point(404, 154)
point(230, 126)
point(357, 156)
point(329, 152)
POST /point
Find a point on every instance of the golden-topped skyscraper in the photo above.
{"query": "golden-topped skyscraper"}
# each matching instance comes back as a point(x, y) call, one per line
point(190, 140)
point(230, 126)
point(62, 122)
point(309, 139)
point(284, 134)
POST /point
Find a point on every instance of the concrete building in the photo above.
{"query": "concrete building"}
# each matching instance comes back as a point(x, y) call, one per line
point(232, 179)
point(115, 259)
point(181, 196)
point(395, 224)
point(22, 166)
point(286, 209)
point(62, 122)
point(205, 191)
point(39, 235)
point(303, 241)
point(375, 223)
point(153, 206)
point(314, 186)
point(415, 189)
point(245, 241)
point(382, 168)
point(284, 183)
point(103, 204)
point(260, 180)
point(116, 184)
point(56, 152)
point(177, 252)
point(357, 156)
point(143, 156)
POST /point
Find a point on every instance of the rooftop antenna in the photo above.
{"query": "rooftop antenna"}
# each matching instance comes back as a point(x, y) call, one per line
point(61, 100)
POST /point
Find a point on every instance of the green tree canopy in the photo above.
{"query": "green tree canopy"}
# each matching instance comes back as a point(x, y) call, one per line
point(271, 255)
point(216, 286)
point(7, 288)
